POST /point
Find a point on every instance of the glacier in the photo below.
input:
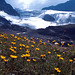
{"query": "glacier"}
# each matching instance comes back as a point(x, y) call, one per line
point(34, 19)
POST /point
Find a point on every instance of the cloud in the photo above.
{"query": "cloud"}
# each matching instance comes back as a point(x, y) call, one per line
point(34, 4)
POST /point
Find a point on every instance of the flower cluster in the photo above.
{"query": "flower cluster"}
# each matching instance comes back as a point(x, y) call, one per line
point(34, 55)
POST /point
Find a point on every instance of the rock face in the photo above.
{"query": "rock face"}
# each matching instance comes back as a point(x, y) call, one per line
point(68, 6)
point(3, 21)
point(47, 17)
point(7, 8)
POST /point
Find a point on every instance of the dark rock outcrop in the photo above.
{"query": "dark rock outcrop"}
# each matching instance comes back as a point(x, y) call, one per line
point(47, 17)
point(47, 32)
point(7, 8)
point(67, 6)
point(3, 21)
point(14, 28)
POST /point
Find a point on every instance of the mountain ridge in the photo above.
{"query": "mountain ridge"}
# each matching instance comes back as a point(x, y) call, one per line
point(67, 6)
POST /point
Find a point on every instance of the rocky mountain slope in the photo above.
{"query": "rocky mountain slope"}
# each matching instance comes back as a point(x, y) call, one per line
point(7, 8)
point(52, 32)
point(66, 32)
point(13, 27)
point(3, 21)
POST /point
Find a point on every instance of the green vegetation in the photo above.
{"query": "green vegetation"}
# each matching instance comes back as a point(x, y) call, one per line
point(22, 56)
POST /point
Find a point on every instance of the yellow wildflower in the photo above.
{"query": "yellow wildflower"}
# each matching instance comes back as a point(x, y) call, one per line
point(0, 42)
point(13, 56)
point(20, 48)
point(27, 55)
point(24, 37)
point(40, 41)
point(6, 60)
point(44, 43)
point(14, 40)
point(33, 42)
point(11, 49)
point(37, 38)
point(20, 44)
point(12, 35)
point(62, 43)
point(27, 51)
point(36, 48)
point(68, 44)
point(3, 57)
point(18, 38)
point(54, 41)
point(49, 52)
point(71, 41)
point(63, 52)
point(32, 45)
point(22, 56)
point(70, 60)
point(15, 37)
point(23, 45)
point(58, 70)
point(5, 42)
point(43, 55)
point(27, 39)
point(2, 35)
point(15, 47)
point(71, 45)
point(34, 60)
point(58, 55)
point(13, 43)
point(61, 58)
point(28, 60)
point(27, 46)
point(14, 51)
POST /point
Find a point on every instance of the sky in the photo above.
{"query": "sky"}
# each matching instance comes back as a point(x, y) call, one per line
point(33, 4)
